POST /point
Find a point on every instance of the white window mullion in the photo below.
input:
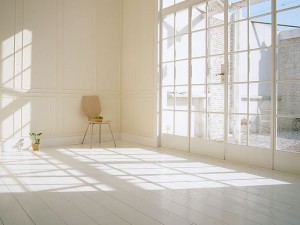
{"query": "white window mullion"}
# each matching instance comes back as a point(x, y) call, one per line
point(207, 70)
point(175, 74)
point(160, 18)
point(248, 70)
point(189, 74)
point(226, 72)
point(274, 83)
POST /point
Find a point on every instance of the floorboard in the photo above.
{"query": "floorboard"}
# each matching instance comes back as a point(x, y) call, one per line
point(138, 185)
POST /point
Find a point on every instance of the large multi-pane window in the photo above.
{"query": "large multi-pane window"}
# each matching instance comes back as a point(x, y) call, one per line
point(233, 79)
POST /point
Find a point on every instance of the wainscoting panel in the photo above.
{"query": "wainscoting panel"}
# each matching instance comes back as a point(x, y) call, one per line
point(38, 115)
point(73, 119)
point(77, 45)
point(39, 44)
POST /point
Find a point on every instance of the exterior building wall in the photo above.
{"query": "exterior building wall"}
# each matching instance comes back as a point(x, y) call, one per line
point(216, 87)
point(288, 95)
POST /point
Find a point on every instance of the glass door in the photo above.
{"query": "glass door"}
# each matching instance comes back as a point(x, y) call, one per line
point(193, 78)
point(250, 77)
point(175, 80)
point(207, 79)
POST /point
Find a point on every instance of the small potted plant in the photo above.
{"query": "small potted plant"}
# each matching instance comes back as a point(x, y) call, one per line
point(35, 137)
point(98, 118)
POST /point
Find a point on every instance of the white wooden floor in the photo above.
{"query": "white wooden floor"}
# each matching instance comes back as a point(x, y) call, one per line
point(138, 185)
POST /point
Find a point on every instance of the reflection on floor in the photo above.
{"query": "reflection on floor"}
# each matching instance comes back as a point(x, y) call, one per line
point(139, 185)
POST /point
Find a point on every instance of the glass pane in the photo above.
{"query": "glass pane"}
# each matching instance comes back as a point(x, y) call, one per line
point(182, 72)
point(260, 31)
point(284, 4)
point(237, 10)
point(216, 98)
point(182, 98)
point(181, 22)
point(238, 67)
point(215, 127)
point(178, 1)
point(237, 98)
point(288, 20)
point(288, 61)
point(168, 73)
point(168, 99)
point(167, 3)
point(181, 123)
point(288, 134)
point(259, 7)
point(215, 13)
point(199, 17)
point(260, 65)
point(199, 71)
point(168, 26)
point(288, 24)
point(288, 98)
point(182, 47)
point(167, 122)
point(237, 129)
point(216, 67)
point(168, 50)
point(260, 131)
point(198, 125)
point(238, 36)
point(199, 44)
point(260, 98)
point(198, 98)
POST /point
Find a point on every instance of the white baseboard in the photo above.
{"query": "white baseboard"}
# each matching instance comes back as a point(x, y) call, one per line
point(25, 143)
point(61, 141)
point(140, 140)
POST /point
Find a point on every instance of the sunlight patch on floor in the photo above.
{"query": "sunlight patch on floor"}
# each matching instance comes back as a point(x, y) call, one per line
point(103, 169)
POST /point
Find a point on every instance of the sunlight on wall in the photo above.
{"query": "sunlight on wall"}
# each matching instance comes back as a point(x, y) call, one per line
point(27, 59)
point(7, 60)
point(16, 63)
point(6, 128)
point(16, 58)
point(26, 118)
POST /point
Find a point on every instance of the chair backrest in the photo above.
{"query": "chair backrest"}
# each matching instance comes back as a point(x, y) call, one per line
point(91, 106)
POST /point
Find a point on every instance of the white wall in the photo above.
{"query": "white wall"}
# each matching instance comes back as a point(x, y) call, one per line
point(53, 52)
point(138, 87)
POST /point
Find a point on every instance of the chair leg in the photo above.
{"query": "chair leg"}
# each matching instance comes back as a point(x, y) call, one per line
point(112, 134)
point(92, 136)
point(85, 133)
point(99, 132)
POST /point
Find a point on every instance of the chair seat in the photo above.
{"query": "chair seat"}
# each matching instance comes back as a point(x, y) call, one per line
point(96, 122)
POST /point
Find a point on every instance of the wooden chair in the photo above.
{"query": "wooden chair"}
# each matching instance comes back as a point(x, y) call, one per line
point(92, 108)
